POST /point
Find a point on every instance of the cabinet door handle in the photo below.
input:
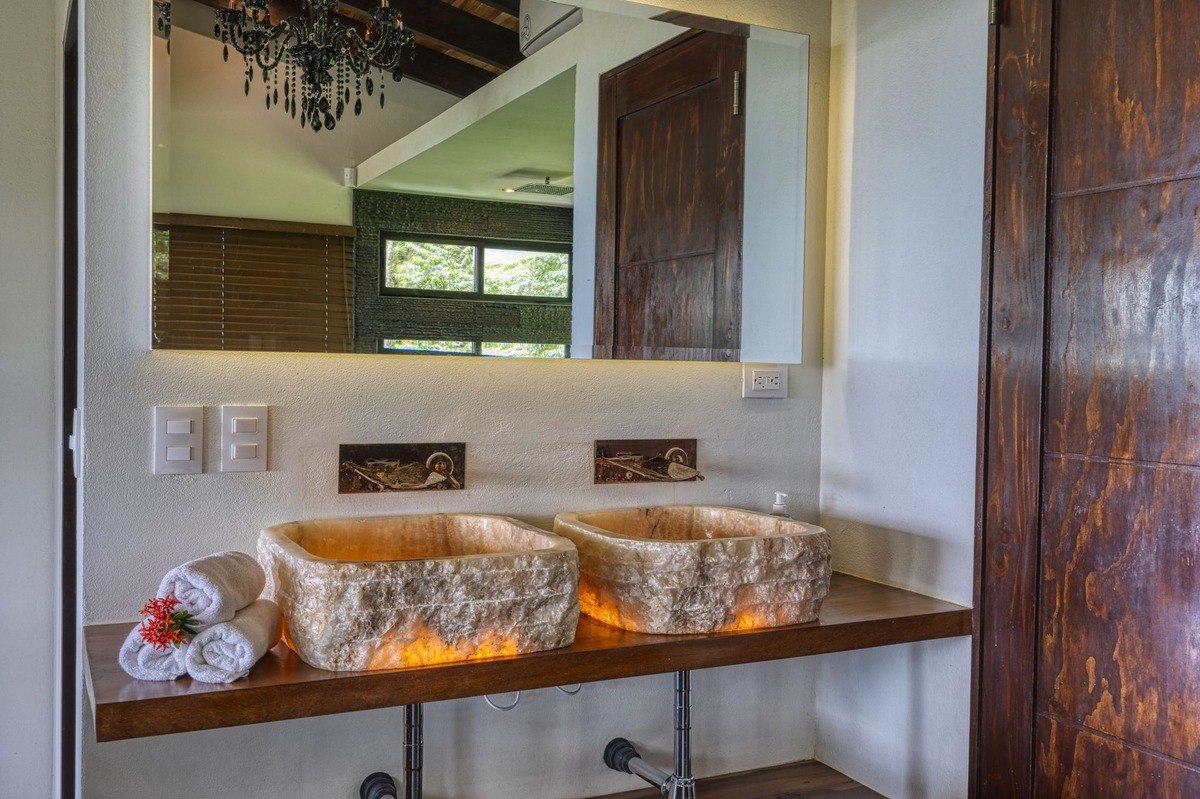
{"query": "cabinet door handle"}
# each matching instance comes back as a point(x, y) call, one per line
point(737, 92)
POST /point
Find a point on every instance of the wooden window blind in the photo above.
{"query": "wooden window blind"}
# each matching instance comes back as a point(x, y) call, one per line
point(249, 284)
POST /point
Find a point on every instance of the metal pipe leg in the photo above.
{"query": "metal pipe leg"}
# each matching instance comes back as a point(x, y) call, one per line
point(414, 749)
point(683, 784)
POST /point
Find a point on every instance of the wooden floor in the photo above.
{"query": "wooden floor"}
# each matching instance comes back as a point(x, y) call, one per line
point(805, 780)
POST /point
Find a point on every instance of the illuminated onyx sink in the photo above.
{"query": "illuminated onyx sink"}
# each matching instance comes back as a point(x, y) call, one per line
point(695, 569)
point(393, 591)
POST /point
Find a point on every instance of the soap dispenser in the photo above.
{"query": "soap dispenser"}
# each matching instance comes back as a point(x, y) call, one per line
point(780, 506)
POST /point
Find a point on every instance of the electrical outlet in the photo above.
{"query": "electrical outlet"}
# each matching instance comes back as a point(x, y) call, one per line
point(764, 380)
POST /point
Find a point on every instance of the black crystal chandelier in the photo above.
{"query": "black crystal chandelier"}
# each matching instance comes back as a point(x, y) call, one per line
point(312, 59)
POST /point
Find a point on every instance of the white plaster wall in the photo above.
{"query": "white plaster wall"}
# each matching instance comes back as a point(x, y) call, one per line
point(529, 427)
point(901, 358)
point(29, 89)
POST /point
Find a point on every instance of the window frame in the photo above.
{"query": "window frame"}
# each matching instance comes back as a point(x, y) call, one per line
point(480, 244)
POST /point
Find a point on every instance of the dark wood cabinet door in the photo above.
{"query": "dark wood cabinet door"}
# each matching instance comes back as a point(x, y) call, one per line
point(669, 204)
point(1090, 609)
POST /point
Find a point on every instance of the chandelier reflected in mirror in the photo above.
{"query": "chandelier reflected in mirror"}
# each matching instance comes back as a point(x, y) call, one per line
point(310, 62)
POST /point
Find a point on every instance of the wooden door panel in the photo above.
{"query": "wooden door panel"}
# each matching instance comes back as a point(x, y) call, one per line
point(668, 198)
point(1077, 764)
point(1127, 92)
point(1121, 601)
point(675, 307)
point(693, 62)
point(1124, 351)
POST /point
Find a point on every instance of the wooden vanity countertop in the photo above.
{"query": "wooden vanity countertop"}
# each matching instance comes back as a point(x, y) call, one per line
point(857, 614)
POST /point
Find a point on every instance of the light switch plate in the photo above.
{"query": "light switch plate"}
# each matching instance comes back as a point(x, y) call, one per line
point(764, 381)
point(243, 438)
point(178, 439)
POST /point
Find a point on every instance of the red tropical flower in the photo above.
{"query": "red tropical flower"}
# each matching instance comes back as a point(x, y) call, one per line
point(166, 625)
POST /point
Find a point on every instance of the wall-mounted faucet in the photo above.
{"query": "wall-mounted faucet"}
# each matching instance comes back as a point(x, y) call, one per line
point(646, 461)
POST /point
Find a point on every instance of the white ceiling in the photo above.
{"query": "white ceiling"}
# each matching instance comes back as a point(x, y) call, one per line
point(527, 140)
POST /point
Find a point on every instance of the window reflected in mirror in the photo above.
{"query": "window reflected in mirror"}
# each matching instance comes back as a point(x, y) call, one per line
point(465, 270)
point(429, 266)
point(488, 349)
point(526, 273)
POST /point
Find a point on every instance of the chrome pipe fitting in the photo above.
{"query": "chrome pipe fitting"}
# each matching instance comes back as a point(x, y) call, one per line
point(620, 754)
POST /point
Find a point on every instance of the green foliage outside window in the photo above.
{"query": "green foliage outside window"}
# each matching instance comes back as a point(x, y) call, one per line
point(430, 266)
point(162, 253)
point(518, 273)
point(425, 345)
point(501, 350)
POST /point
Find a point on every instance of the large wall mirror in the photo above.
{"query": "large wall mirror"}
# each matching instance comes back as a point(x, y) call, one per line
point(497, 178)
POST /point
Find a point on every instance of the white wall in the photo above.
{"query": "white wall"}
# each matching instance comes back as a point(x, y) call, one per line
point(529, 426)
point(901, 359)
point(29, 91)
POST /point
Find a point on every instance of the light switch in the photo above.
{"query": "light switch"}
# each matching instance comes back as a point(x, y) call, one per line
point(243, 452)
point(179, 453)
point(243, 438)
point(245, 424)
point(178, 439)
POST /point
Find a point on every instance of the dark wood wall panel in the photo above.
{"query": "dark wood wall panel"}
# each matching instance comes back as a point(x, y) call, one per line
point(1014, 328)
point(1121, 601)
point(1127, 92)
point(1077, 764)
point(1109, 558)
point(1120, 536)
point(1124, 365)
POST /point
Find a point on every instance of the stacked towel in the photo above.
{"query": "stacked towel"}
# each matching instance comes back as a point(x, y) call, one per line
point(143, 662)
point(225, 652)
point(214, 588)
point(235, 630)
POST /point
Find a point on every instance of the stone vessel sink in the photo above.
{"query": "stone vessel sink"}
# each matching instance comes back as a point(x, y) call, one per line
point(696, 569)
point(394, 591)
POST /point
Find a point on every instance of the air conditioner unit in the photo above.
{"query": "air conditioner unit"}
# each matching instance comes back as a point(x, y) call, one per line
point(543, 21)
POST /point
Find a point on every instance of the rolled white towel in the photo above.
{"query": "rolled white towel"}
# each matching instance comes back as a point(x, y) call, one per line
point(143, 662)
point(225, 652)
point(215, 587)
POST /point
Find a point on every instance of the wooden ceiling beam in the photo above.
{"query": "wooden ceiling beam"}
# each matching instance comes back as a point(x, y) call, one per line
point(456, 29)
point(512, 7)
point(429, 67)
point(445, 72)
